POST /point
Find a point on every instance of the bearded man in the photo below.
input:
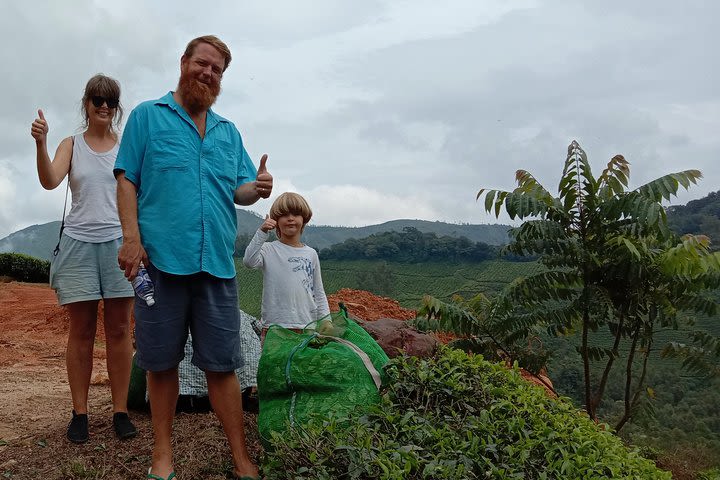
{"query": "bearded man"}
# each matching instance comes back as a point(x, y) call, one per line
point(180, 170)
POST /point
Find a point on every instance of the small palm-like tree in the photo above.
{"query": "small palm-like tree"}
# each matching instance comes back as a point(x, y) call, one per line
point(611, 262)
point(482, 326)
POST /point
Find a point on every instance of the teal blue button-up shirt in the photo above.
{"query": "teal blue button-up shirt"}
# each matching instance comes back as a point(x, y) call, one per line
point(186, 186)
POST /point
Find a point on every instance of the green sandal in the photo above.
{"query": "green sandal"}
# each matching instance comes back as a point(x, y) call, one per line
point(152, 476)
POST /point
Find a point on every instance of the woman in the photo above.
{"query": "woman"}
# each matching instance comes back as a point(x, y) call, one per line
point(84, 269)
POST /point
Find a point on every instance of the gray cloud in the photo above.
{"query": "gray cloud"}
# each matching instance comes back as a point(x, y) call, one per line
point(387, 104)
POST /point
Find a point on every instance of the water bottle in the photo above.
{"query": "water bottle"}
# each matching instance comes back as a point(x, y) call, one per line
point(143, 286)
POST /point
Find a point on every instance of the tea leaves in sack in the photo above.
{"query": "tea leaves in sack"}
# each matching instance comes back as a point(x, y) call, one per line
point(329, 369)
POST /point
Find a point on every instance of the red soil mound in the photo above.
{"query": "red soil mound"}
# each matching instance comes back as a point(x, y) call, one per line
point(540, 380)
point(34, 327)
point(366, 306)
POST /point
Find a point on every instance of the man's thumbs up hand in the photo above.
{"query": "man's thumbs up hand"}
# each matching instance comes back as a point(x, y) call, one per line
point(264, 181)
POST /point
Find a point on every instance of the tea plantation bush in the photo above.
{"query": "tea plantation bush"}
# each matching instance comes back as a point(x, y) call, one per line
point(24, 268)
point(457, 417)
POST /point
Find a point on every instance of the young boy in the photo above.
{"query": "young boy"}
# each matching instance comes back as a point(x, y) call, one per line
point(293, 293)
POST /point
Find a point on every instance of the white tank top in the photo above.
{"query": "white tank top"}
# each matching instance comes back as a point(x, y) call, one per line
point(93, 215)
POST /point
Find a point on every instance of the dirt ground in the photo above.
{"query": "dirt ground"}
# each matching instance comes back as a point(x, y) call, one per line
point(32, 359)
point(35, 406)
point(35, 399)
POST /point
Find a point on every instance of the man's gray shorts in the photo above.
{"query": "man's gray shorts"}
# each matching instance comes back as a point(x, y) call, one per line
point(205, 304)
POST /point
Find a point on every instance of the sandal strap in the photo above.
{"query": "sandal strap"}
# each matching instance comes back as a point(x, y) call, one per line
point(152, 476)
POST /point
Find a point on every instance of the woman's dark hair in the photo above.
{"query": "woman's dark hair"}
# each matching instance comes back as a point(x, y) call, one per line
point(103, 86)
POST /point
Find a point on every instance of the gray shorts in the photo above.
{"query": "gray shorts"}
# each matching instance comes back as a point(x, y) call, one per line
point(84, 271)
point(202, 303)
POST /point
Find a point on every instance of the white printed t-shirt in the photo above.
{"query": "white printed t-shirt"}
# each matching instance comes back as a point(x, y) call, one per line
point(293, 293)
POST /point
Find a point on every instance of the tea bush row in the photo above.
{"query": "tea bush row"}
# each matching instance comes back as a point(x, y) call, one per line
point(457, 417)
point(24, 268)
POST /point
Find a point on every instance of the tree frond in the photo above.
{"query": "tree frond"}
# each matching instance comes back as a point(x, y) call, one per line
point(527, 183)
point(614, 179)
point(479, 303)
point(447, 317)
point(523, 205)
point(579, 176)
point(494, 199)
point(557, 318)
point(668, 185)
point(622, 242)
point(640, 208)
point(696, 359)
point(538, 229)
point(698, 303)
point(707, 341)
point(690, 258)
point(545, 286)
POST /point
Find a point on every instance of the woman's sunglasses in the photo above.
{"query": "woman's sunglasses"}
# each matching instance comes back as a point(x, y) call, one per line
point(98, 101)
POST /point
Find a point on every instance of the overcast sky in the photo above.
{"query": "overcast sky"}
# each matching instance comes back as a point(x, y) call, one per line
point(384, 109)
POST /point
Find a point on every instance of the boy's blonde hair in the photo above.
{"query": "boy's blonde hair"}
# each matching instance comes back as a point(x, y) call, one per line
point(292, 203)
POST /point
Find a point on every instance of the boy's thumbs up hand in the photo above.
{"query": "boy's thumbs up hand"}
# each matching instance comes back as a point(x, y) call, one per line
point(264, 181)
point(268, 224)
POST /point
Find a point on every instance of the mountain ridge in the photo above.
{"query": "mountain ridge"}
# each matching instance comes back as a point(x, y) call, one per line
point(39, 240)
point(698, 216)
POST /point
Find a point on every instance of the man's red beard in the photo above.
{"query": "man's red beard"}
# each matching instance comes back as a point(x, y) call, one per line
point(197, 96)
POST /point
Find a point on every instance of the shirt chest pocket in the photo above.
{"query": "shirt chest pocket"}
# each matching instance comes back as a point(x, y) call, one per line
point(224, 162)
point(170, 152)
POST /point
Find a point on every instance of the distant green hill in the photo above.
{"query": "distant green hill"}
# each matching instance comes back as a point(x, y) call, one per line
point(321, 237)
point(39, 240)
point(36, 240)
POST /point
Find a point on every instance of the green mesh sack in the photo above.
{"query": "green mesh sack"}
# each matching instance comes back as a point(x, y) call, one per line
point(137, 387)
point(329, 369)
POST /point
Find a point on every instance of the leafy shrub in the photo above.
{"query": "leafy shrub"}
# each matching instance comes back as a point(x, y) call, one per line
point(457, 416)
point(713, 474)
point(24, 268)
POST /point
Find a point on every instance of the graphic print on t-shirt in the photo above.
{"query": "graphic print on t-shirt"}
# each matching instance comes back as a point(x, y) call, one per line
point(305, 266)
